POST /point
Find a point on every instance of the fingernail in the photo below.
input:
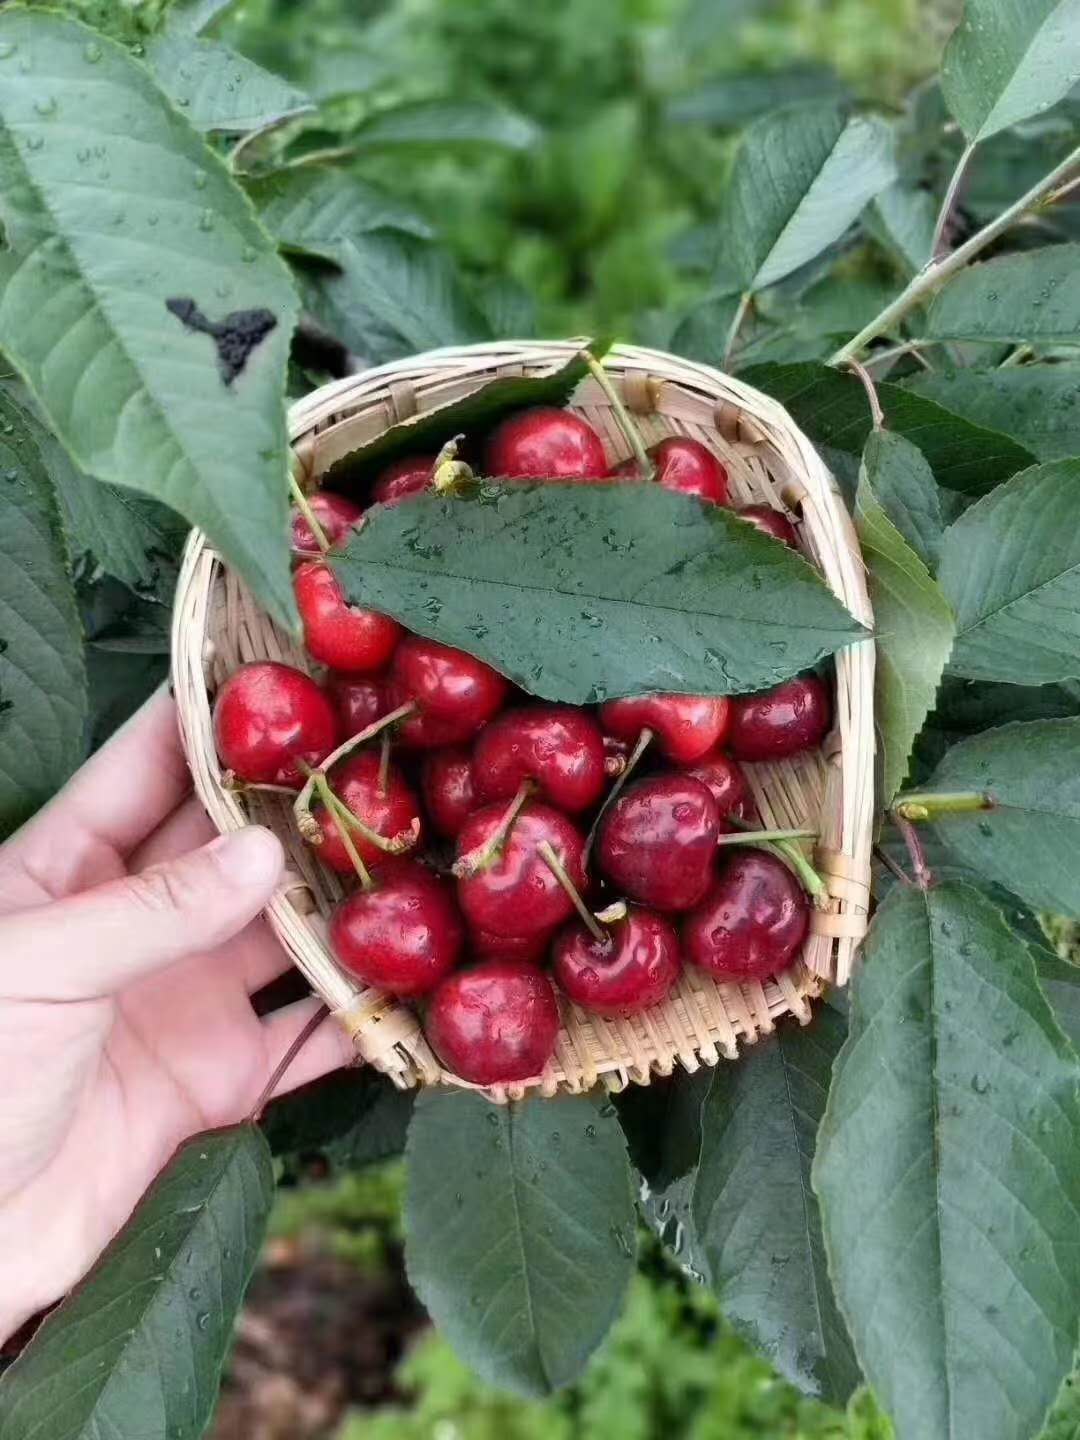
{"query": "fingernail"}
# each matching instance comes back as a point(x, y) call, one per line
point(252, 856)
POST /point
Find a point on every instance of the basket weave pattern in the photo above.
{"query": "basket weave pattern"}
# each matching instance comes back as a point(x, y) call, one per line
point(217, 626)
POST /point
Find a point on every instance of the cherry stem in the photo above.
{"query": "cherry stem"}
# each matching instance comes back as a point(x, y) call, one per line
point(486, 854)
point(929, 805)
point(384, 764)
point(622, 415)
point(388, 844)
point(558, 869)
point(329, 799)
point(923, 878)
point(242, 787)
point(303, 504)
point(641, 745)
point(791, 851)
point(286, 1060)
point(302, 804)
point(876, 413)
point(747, 837)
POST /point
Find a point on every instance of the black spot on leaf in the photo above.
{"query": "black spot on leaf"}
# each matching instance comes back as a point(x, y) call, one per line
point(235, 337)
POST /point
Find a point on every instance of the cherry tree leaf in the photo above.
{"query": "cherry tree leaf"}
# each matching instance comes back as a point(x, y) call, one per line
point(219, 89)
point(1030, 297)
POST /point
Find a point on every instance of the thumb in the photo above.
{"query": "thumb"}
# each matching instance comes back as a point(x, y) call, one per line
point(96, 943)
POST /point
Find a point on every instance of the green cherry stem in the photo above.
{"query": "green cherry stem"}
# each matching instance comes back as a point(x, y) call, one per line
point(302, 803)
point(747, 837)
point(792, 852)
point(558, 869)
point(329, 799)
point(303, 504)
point(622, 415)
point(484, 856)
point(642, 744)
point(928, 805)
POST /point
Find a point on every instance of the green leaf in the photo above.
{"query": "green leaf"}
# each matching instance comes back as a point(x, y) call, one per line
point(1060, 982)
point(1039, 405)
point(831, 407)
point(903, 218)
point(1027, 842)
point(801, 176)
point(737, 98)
point(477, 412)
point(219, 89)
point(581, 592)
point(966, 706)
point(912, 618)
point(136, 394)
point(1031, 297)
point(754, 1214)
point(191, 17)
point(446, 122)
point(1008, 59)
point(947, 1175)
point(356, 1116)
point(1010, 565)
point(137, 1349)
point(520, 1231)
point(311, 208)
point(904, 487)
point(392, 295)
point(43, 702)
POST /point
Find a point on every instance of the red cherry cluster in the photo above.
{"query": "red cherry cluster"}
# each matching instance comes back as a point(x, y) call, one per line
point(448, 753)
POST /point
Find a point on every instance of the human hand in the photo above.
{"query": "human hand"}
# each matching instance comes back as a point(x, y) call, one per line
point(129, 950)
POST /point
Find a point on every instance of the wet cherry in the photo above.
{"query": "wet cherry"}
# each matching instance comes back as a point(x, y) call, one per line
point(686, 726)
point(786, 721)
point(545, 444)
point(752, 922)
point(559, 747)
point(454, 693)
point(517, 894)
point(729, 787)
point(449, 792)
point(403, 480)
point(391, 812)
point(631, 969)
point(341, 635)
point(360, 701)
point(686, 466)
point(494, 1024)
point(657, 842)
point(403, 935)
point(769, 522)
point(335, 514)
point(269, 721)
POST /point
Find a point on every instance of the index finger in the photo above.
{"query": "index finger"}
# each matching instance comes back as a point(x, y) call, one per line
point(120, 795)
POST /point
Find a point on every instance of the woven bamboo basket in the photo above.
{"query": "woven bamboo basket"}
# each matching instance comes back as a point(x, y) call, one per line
point(217, 626)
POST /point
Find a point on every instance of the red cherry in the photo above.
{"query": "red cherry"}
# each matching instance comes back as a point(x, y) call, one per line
point(360, 701)
point(634, 967)
point(686, 726)
point(685, 466)
point(729, 788)
point(495, 1023)
point(404, 935)
point(658, 839)
point(454, 693)
point(403, 480)
point(785, 721)
point(339, 634)
point(518, 894)
point(559, 747)
point(389, 812)
point(752, 921)
point(770, 522)
point(545, 444)
point(449, 791)
point(335, 514)
point(532, 948)
point(267, 719)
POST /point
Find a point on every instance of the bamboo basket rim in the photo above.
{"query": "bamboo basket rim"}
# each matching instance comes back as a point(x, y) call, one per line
point(766, 451)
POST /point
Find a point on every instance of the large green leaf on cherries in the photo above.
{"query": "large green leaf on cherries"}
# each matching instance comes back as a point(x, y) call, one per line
point(392, 295)
point(219, 89)
point(753, 1211)
point(520, 1231)
point(831, 407)
point(311, 208)
point(946, 1171)
point(1030, 297)
point(1008, 60)
point(1010, 565)
point(151, 321)
point(1028, 841)
point(585, 592)
point(137, 1349)
point(1038, 405)
point(43, 704)
point(913, 620)
point(801, 176)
